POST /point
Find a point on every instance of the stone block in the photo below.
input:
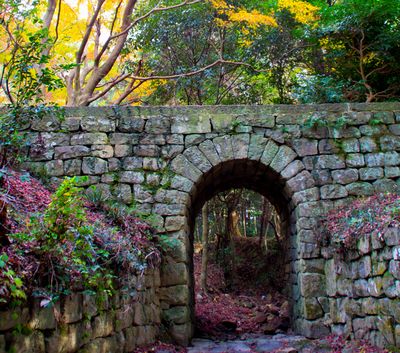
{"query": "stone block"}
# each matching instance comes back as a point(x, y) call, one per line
point(72, 167)
point(313, 329)
point(94, 166)
point(360, 189)
point(158, 125)
point(312, 285)
point(312, 309)
point(223, 146)
point(305, 147)
point(123, 139)
point(176, 315)
point(152, 164)
point(132, 163)
point(389, 143)
point(71, 308)
point(345, 176)
point(13, 317)
point(175, 223)
point(33, 342)
point(257, 146)
point(71, 123)
point(182, 166)
point(102, 151)
point(195, 156)
point(371, 173)
point(182, 334)
point(181, 183)
point(103, 325)
point(328, 146)
point(54, 168)
point(208, 148)
point(333, 191)
point(199, 124)
point(174, 274)
point(175, 295)
point(43, 318)
point(122, 150)
point(90, 138)
point(97, 124)
point(394, 268)
point(131, 124)
point(170, 209)
point(368, 144)
point(385, 326)
point(149, 139)
point(355, 160)
point(283, 157)
point(194, 139)
point(324, 162)
point(306, 195)
point(300, 182)
point(142, 195)
point(292, 169)
point(271, 149)
point(240, 146)
point(147, 151)
point(392, 236)
point(123, 192)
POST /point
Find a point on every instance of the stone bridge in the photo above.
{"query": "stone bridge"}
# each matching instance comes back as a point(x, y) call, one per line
point(305, 159)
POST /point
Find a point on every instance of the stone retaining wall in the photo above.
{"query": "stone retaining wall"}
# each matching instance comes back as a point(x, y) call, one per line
point(363, 287)
point(86, 323)
point(306, 159)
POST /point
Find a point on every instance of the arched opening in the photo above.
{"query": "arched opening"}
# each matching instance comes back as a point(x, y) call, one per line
point(256, 179)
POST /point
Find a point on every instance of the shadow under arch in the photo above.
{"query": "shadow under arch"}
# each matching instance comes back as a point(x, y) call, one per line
point(248, 174)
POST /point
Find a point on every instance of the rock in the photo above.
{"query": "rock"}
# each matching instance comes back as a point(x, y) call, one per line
point(333, 192)
point(272, 324)
point(345, 176)
point(371, 173)
point(94, 166)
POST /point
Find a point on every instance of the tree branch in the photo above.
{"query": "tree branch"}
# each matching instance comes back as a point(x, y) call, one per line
point(196, 72)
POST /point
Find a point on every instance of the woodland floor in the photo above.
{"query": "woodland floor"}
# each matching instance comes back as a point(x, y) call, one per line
point(252, 317)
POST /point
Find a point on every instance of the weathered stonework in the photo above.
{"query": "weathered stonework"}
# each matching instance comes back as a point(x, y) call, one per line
point(364, 289)
point(170, 160)
point(86, 323)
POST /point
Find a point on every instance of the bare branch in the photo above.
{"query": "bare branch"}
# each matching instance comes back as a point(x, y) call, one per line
point(155, 10)
point(108, 87)
point(196, 72)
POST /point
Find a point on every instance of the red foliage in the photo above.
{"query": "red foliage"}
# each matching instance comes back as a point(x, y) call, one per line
point(338, 344)
point(225, 315)
point(25, 193)
point(364, 216)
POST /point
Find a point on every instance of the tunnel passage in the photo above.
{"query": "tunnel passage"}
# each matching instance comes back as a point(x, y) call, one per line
point(255, 176)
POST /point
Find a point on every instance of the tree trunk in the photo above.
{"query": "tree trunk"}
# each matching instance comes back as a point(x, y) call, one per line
point(204, 255)
point(3, 220)
point(264, 219)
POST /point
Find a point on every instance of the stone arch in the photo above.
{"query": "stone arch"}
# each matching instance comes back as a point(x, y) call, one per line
point(272, 169)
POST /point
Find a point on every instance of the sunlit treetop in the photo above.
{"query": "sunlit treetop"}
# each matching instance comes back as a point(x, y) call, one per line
point(233, 14)
point(303, 11)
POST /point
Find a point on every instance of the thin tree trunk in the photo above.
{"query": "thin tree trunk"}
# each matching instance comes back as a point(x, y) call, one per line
point(204, 256)
point(264, 219)
point(3, 219)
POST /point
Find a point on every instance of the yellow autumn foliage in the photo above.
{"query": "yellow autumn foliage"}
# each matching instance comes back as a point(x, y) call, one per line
point(253, 18)
point(303, 11)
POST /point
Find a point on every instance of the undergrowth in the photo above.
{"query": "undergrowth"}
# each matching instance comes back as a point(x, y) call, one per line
point(368, 216)
point(61, 243)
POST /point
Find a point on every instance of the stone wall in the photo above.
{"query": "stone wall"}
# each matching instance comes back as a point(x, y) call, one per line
point(86, 323)
point(306, 159)
point(363, 287)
